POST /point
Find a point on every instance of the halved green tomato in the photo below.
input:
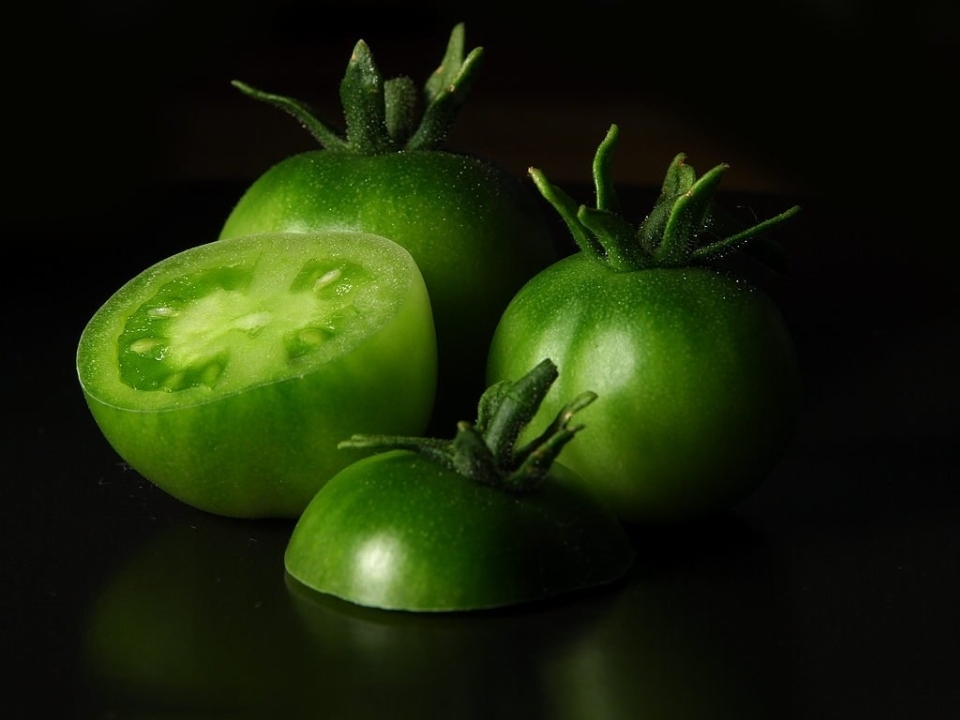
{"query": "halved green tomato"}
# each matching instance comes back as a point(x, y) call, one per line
point(227, 374)
point(471, 523)
point(398, 531)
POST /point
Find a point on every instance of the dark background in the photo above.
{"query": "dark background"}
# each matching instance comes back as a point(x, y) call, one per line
point(106, 99)
point(831, 593)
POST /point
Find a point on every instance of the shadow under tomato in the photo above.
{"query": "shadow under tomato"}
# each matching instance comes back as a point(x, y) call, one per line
point(202, 621)
point(195, 622)
point(476, 664)
point(689, 635)
point(199, 621)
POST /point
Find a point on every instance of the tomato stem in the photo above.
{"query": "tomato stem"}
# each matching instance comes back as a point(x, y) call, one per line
point(486, 451)
point(670, 235)
point(607, 198)
point(364, 104)
point(384, 116)
point(689, 214)
point(300, 111)
point(446, 92)
point(516, 404)
point(737, 239)
point(568, 210)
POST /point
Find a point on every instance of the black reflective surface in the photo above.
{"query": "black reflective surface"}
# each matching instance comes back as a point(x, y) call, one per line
point(829, 593)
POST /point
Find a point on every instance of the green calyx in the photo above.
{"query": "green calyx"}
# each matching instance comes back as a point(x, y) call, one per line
point(384, 116)
point(681, 230)
point(487, 451)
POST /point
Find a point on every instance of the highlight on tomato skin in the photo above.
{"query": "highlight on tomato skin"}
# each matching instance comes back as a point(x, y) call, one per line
point(697, 367)
point(227, 373)
point(471, 523)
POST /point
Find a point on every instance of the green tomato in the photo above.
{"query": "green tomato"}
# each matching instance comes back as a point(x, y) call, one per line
point(466, 524)
point(696, 371)
point(399, 531)
point(227, 373)
point(475, 230)
point(696, 368)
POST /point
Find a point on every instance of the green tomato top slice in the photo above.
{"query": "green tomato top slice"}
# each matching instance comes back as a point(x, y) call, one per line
point(397, 531)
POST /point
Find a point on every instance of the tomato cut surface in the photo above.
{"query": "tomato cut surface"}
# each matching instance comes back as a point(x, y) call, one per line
point(227, 373)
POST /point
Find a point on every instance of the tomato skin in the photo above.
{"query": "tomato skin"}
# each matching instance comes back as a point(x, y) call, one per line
point(476, 232)
point(399, 531)
point(697, 376)
point(264, 448)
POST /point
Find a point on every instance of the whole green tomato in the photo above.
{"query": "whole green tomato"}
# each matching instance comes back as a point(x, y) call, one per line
point(227, 373)
point(476, 231)
point(696, 367)
point(470, 523)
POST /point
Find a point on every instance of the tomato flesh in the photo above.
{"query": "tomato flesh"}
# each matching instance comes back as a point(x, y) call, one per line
point(227, 373)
